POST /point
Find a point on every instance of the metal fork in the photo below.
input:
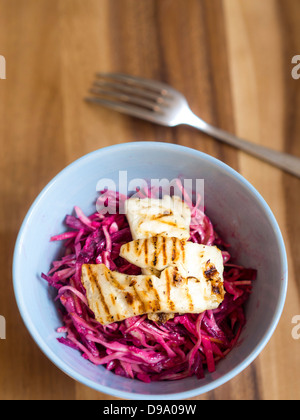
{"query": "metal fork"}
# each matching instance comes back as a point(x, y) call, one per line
point(161, 104)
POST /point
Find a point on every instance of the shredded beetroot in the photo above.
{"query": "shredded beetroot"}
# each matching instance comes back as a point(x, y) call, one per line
point(186, 345)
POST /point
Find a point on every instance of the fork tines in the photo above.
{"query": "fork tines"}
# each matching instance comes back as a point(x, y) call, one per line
point(132, 95)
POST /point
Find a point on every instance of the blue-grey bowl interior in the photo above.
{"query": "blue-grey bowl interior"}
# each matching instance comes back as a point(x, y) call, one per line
point(240, 214)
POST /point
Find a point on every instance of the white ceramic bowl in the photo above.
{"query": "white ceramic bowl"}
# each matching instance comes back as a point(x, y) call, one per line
point(242, 217)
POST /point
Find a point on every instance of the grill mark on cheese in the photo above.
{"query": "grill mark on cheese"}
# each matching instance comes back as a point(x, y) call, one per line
point(166, 222)
point(146, 251)
point(149, 284)
point(112, 280)
point(155, 251)
point(168, 290)
point(164, 250)
point(152, 288)
point(133, 296)
point(138, 250)
point(99, 319)
point(151, 305)
point(129, 298)
point(189, 299)
point(174, 249)
point(132, 282)
point(182, 244)
point(142, 307)
point(93, 280)
point(154, 241)
point(160, 216)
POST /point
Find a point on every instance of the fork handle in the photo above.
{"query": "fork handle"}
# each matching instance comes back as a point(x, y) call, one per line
point(282, 160)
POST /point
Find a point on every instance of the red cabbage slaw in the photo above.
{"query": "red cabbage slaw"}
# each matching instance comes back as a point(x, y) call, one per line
point(187, 345)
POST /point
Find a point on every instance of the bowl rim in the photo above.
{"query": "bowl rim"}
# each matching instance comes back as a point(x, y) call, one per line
point(126, 394)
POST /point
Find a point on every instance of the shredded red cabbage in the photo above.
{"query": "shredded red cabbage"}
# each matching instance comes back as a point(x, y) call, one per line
point(186, 345)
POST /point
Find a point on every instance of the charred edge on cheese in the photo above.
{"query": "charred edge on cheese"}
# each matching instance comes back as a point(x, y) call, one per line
point(161, 317)
point(177, 278)
point(211, 274)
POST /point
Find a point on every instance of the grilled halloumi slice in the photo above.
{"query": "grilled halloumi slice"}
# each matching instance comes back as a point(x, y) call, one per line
point(114, 296)
point(158, 252)
point(169, 217)
point(191, 260)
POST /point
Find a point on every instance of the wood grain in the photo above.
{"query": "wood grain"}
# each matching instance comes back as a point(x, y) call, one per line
point(232, 60)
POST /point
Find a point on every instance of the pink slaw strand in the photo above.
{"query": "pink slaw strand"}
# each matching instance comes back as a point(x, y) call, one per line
point(187, 345)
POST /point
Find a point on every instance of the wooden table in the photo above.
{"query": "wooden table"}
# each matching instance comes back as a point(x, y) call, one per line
point(231, 58)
